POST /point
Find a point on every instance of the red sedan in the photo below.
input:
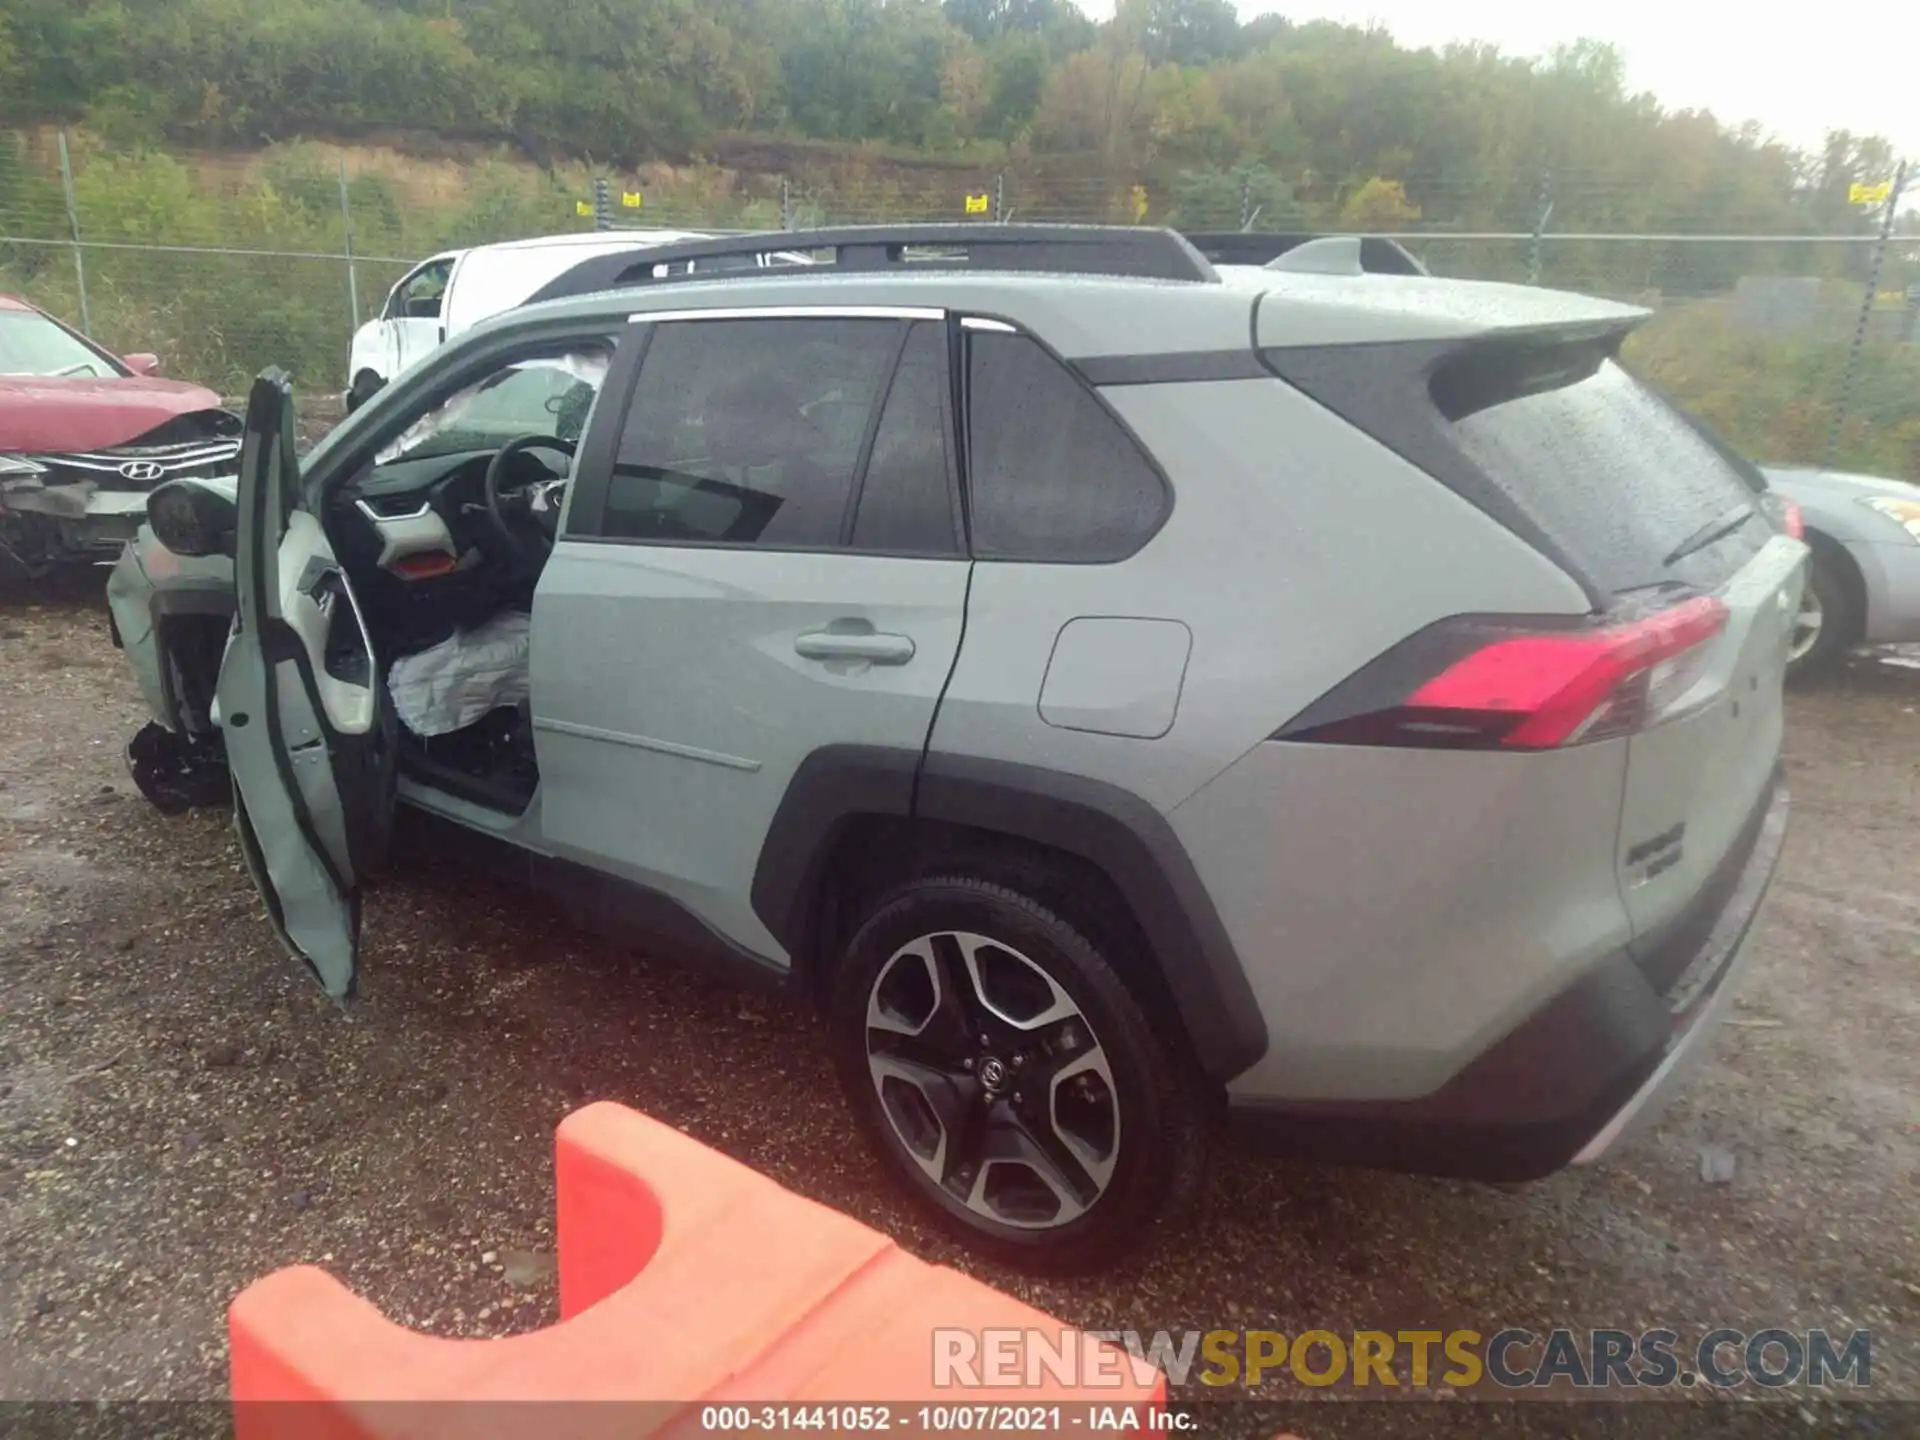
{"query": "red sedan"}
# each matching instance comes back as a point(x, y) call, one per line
point(84, 435)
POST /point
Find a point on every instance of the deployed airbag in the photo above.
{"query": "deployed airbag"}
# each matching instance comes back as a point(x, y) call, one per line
point(452, 685)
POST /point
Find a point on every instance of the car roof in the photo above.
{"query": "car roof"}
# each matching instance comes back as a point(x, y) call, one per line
point(1079, 315)
point(1085, 316)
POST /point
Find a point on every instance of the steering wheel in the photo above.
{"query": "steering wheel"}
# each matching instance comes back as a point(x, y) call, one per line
point(534, 538)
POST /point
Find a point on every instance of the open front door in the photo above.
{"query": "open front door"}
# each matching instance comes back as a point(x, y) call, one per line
point(309, 733)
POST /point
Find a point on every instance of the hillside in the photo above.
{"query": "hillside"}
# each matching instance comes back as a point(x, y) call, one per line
point(252, 125)
point(1311, 113)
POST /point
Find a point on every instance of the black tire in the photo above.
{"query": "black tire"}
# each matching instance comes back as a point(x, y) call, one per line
point(365, 386)
point(1156, 1163)
point(1839, 621)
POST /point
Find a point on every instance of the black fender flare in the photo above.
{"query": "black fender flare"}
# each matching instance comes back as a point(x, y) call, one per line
point(1105, 825)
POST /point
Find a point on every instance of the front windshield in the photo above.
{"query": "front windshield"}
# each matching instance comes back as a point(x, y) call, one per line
point(549, 395)
point(31, 344)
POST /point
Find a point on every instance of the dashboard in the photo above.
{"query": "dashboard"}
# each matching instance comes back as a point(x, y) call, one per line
point(421, 519)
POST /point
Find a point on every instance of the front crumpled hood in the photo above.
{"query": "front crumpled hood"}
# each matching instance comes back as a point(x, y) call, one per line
point(44, 414)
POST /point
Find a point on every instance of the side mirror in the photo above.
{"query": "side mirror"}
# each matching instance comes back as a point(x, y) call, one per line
point(192, 519)
point(143, 364)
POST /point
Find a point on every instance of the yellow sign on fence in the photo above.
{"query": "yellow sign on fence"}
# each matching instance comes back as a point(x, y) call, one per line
point(1139, 199)
point(978, 204)
point(1858, 194)
point(583, 207)
point(630, 199)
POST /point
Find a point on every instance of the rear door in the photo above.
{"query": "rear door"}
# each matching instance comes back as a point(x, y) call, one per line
point(1656, 515)
point(762, 557)
point(309, 735)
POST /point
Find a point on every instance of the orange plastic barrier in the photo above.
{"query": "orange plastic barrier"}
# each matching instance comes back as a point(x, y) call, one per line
point(685, 1277)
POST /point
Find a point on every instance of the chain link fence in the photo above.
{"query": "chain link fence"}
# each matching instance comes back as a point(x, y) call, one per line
point(1802, 347)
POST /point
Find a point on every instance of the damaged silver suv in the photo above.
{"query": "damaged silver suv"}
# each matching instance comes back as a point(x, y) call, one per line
point(1120, 690)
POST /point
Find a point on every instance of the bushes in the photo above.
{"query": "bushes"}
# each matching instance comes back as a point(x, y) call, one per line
point(220, 318)
point(1776, 397)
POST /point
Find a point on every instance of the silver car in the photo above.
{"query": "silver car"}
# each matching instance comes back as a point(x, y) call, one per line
point(1115, 689)
point(1863, 577)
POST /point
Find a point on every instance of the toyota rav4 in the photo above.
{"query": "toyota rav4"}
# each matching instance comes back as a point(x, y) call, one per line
point(1122, 691)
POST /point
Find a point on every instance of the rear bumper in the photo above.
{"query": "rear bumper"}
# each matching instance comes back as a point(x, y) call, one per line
point(1580, 1076)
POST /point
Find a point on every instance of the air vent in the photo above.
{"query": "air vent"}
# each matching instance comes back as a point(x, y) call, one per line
point(393, 507)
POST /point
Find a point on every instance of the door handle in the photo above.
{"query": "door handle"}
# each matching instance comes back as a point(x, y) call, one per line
point(854, 645)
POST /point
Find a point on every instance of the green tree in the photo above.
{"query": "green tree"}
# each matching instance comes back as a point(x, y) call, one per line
point(1248, 194)
point(1017, 68)
point(1379, 204)
point(1191, 32)
point(987, 20)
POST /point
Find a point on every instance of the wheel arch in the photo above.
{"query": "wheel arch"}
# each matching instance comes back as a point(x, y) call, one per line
point(1845, 569)
point(856, 819)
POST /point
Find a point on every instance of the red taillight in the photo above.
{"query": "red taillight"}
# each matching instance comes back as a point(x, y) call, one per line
point(1790, 520)
point(1544, 689)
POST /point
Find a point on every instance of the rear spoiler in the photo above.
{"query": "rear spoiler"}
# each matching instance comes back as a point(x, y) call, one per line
point(1317, 254)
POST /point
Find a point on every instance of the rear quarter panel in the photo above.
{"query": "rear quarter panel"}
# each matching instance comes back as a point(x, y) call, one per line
point(1394, 911)
point(1297, 549)
point(1399, 911)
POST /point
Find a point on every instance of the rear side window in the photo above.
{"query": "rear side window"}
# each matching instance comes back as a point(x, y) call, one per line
point(1619, 478)
point(748, 432)
point(1051, 474)
point(905, 503)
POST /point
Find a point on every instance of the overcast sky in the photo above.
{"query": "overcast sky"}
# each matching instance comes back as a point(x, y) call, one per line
point(1799, 69)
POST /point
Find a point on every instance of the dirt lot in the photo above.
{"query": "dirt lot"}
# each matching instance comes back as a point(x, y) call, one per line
point(181, 1112)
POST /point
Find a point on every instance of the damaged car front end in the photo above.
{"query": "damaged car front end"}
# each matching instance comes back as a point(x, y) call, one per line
point(85, 437)
point(65, 507)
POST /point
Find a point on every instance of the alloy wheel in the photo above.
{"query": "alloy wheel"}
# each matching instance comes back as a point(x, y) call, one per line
point(1808, 622)
point(993, 1080)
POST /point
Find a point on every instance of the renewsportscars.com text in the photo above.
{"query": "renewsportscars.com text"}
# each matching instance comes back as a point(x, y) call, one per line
point(1507, 1359)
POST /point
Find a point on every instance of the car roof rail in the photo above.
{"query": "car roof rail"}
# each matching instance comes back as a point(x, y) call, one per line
point(1316, 254)
point(1107, 250)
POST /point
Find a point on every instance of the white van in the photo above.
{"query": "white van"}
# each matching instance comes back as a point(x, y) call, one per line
point(457, 289)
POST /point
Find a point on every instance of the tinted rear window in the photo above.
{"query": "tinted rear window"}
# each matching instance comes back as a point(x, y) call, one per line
point(1618, 477)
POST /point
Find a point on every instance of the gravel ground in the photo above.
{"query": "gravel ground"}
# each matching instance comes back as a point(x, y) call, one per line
point(181, 1112)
